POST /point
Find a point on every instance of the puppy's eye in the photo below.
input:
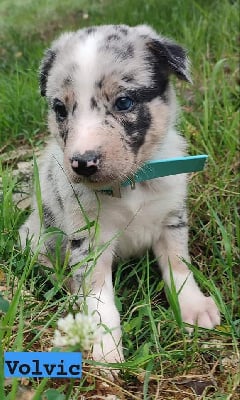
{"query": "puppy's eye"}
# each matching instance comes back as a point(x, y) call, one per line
point(60, 109)
point(123, 104)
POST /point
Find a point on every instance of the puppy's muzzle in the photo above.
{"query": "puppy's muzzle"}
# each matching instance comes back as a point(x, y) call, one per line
point(85, 164)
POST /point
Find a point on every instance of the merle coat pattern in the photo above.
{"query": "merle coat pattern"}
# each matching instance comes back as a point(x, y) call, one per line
point(112, 108)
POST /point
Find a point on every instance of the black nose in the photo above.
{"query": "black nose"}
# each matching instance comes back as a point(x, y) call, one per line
point(85, 164)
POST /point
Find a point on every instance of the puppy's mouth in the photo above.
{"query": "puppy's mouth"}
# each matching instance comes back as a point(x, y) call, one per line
point(98, 180)
point(99, 176)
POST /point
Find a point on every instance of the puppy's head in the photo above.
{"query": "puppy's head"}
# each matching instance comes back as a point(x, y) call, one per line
point(109, 97)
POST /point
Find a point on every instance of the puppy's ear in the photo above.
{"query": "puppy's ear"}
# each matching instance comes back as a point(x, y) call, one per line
point(45, 67)
point(172, 56)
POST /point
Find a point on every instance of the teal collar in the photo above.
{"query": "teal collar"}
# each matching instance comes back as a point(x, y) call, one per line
point(159, 168)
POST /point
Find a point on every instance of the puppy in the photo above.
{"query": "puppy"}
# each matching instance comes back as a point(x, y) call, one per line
point(111, 109)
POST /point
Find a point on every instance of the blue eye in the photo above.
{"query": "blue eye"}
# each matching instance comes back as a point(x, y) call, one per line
point(123, 104)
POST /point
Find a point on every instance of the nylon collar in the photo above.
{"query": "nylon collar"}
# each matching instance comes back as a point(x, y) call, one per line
point(159, 168)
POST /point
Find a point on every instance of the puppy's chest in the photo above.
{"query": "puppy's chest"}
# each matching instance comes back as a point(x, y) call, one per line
point(145, 225)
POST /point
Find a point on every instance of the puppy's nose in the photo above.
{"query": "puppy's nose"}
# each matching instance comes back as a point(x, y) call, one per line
point(85, 164)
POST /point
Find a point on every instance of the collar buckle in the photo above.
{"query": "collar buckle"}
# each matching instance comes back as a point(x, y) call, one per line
point(132, 183)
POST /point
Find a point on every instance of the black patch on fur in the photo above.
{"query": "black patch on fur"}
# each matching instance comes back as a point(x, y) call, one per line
point(181, 219)
point(67, 81)
point(99, 84)
point(60, 110)
point(59, 119)
point(61, 115)
point(123, 52)
point(93, 103)
point(170, 58)
point(113, 37)
point(45, 67)
point(137, 130)
point(90, 30)
point(63, 131)
point(48, 216)
point(128, 78)
point(147, 94)
point(50, 176)
point(164, 58)
point(108, 123)
point(160, 79)
point(76, 243)
point(181, 224)
point(122, 29)
point(129, 51)
point(120, 52)
point(59, 199)
point(74, 107)
point(107, 112)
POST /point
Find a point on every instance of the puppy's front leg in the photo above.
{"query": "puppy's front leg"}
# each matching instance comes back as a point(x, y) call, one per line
point(171, 250)
point(93, 283)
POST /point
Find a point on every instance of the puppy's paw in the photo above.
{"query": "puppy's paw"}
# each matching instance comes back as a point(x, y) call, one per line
point(108, 355)
point(199, 310)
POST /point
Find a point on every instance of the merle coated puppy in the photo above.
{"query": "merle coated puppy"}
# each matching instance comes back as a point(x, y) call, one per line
point(112, 108)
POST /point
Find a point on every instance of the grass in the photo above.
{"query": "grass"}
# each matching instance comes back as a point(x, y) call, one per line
point(162, 361)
